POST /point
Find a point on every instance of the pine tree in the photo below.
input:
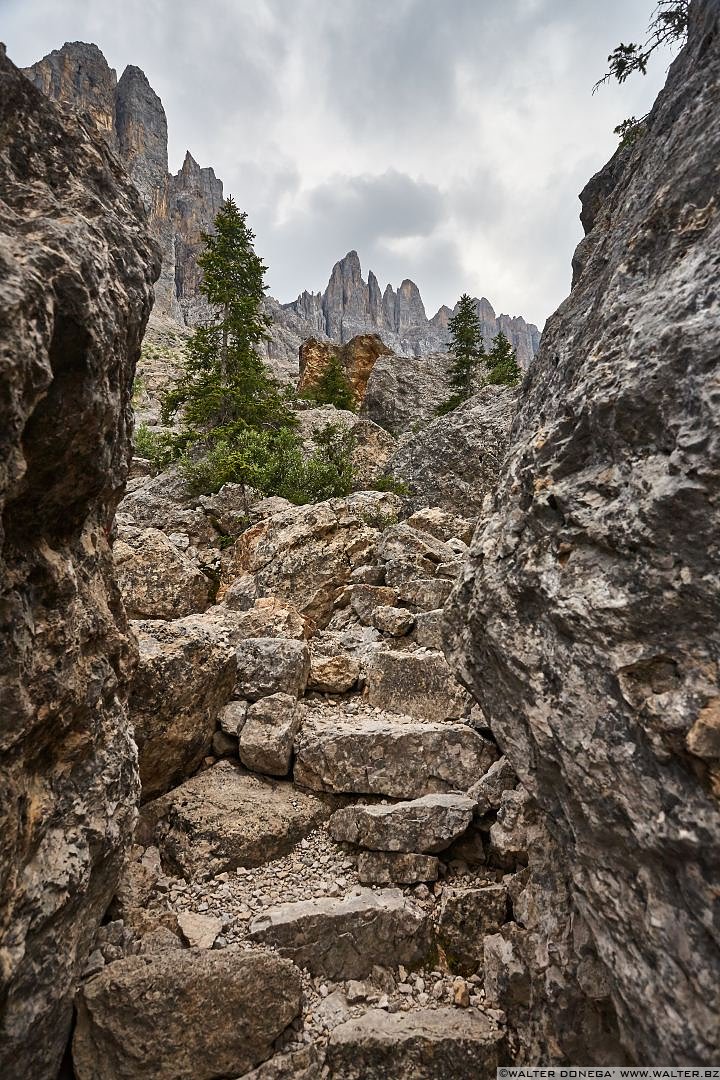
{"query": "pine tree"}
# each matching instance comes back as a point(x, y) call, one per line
point(502, 362)
point(333, 387)
point(225, 386)
point(466, 349)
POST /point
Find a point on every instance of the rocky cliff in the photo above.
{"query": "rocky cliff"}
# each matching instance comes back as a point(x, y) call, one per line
point(351, 306)
point(132, 118)
point(585, 622)
point(76, 271)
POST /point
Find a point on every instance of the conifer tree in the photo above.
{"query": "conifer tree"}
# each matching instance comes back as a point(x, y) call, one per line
point(226, 387)
point(466, 349)
point(502, 362)
point(333, 387)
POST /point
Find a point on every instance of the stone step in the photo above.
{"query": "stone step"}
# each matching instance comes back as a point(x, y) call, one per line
point(346, 938)
point(389, 756)
point(419, 683)
point(426, 825)
point(426, 1044)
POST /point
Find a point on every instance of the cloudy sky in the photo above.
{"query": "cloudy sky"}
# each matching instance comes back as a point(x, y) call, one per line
point(445, 140)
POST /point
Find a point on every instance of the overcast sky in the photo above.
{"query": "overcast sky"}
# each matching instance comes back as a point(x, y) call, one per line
point(445, 140)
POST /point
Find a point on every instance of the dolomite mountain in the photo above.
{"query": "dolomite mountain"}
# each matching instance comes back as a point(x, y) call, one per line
point(131, 117)
point(386, 785)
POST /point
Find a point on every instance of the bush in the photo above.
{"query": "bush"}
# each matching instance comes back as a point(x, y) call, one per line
point(390, 483)
point(160, 448)
point(332, 388)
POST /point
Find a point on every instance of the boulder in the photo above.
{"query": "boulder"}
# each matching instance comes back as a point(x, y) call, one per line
point(423, 1044)
point(373, 446)
point(271, 666)
point(426, 594)
point(184, 1014)
point(402, 541)
point(77, 266)
point(165, 502)
point(393, 757)
point(365, 599)
point(232, 717)
point(417, 683)
point(455, 461)
point(306, 554)
point(269, 617)
point(427, 631)
point(199, 931)
point(466, 917)
point(426, 825)
point(222, 818)
point(185, 676)
point(516, 829)
point(396, 868)
point(393, 620)
point(489, 789)
point(345, 938)
point(333, 674)
point(266, 739)
point(442, 525)
point(156, 580)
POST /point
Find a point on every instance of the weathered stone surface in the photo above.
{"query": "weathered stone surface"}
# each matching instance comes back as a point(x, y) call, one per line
point(222, 818)
point(398, 758)
point(373, 446)
point(455, 461)
point(232, 717)
point(488, 791)
point(426, 825)
point(365, 599)
point(186, 674)
point(586, 622)
point(517, 829)
point(417, 683)
point(466, 916)
point(333, 674)
point(76, 272)
point(295, 1065)
point(306, 555)
point(199, 931)
point(402, 541)
point(393, 620)
point(271, 666)
point(425, 594)
point(156, 580)
point(424, 1044)
point(266, 739)
point(442, 525)
point(270, 617)
point(427, 631)
point(357, 358)
point(396, 868)
point(344, 939)
point(203, 1015)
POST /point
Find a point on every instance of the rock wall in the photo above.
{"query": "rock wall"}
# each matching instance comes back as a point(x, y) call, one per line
point(357, 357)
point(76, 270)
point(585, 622)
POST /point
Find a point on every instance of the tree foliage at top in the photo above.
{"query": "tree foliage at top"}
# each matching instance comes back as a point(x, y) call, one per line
point(466, 350)
point(668, 24)
point(333, 387)
point(502, 362)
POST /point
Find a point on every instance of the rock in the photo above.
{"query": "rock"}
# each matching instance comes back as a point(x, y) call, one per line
point(306, 555)
point(402, 395)
point(585, 622)
point(266, 739)
point(185, 676)
point(401, 542)
point(269, 617)
point(417, 683)
point(489, 789)
point(365, 599)
point(250, 997)
point(229, 508)
point(343, 939)
point(455, 461)
point(423, 594)
point(166, 503)
point(333, 674)
point(223, 818)
point(76, 271)
point(155, 579)
point(392, 620)
point(224, 745)
point(420, 1045)
point(372, 445)
point(426, 825)
point(428, 629)
point(393, 757)
point(516, 829)
point(232, 717)
point(196, 195)
point(442, 525)
point(199, 931)
point(393, 868)
point(466, 917)
point(301, 1064)
point(271, 666)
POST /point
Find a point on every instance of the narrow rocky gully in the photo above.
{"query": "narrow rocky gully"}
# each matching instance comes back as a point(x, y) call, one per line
point(411, 783)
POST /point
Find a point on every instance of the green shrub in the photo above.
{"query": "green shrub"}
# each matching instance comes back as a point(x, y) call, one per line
point(388, 482)
point(160, 448)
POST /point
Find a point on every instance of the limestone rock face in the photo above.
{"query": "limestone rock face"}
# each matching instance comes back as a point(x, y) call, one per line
point(420, 683)
point(357, 357)
point(456, 460)
point(402, 392)
point(196, 196)
point(425, 825)
point(419, 1045)
point(204, 1014)
point(156, 580)
point(373, 445)
point(586, 620)
point(79, 78)
point(76, 272)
